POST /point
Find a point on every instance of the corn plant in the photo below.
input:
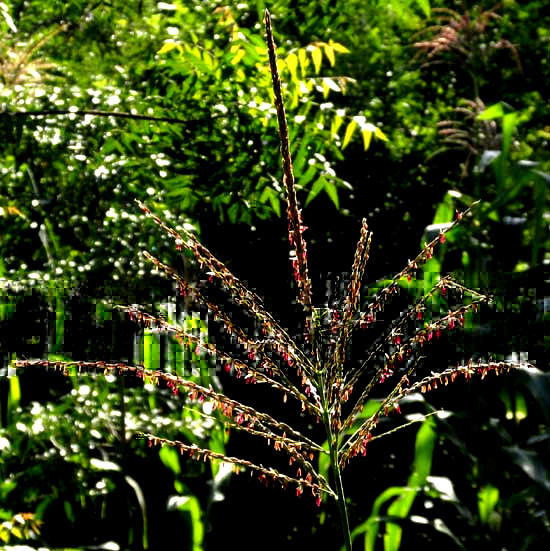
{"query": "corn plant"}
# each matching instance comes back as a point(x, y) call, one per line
point(313, 369)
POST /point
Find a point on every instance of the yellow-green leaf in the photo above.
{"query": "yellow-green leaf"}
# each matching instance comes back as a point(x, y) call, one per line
point(167, 47)
point(380, 135)
point(292, 64)
point(238, 56)
point(317, 57)
point(302, 57)
point(208, 59)
point(338, 47)
point(295, 98)
point(325, 88)
point(349, 133)
point(336, 123)
point(367, 137)
point(329, 52)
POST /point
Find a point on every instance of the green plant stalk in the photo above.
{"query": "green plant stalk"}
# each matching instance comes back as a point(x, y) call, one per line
point(333, 453)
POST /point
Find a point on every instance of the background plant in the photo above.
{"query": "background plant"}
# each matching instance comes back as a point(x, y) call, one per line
point(389, 91)
point(326, 386)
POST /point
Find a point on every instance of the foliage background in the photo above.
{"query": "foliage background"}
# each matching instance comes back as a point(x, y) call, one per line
point(71, 242)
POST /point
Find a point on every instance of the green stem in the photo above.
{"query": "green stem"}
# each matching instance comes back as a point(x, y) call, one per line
point(341, 501)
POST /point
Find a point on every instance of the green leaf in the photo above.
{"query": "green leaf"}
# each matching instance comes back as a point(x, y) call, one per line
point(302, 58)
point(336, 123)
point(380, 135)
point(292, 64)
point(400, 508)
point(271, 196)
point(68, 511)
point(432, 273)
point(191, 506)
point(14, 396)
point(317, 57)
point(170, 458)
point(338, 47)
point(216, 443)
point(425, 7)
point(307, 176)
point(509, 124)
point(238, 56)
point(151, 349)
point(332, 191)
point(487, 499)
point(317, 187)
point(423, 451)
point(370, 526)
point(349, 133)
point(367, 136)
point(329, 52)
point(495, 111)
point(531, 464)
point(445, 210)
point(168, 46)
point(7, 18)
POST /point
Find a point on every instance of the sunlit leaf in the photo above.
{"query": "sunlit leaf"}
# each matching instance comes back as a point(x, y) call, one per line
point(329, 52)
point(495, 111)
point(423, 450)
point(7, 17)
point(380, 135)
point(425, 7)
point(167, 47)
point(349, 133)
point(332, 192)
point(238, 56)
point(317, 57)
point(367, 136)
point(292, 64)
point(302, 57)
point(191, 506)
point(170, 458)
point(487, 499)
point(331, 84)
point(336, 123)
point(338, 47)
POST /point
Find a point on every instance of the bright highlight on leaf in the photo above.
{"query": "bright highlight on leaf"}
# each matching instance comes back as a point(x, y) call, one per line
point(350, 129)
point(292, 64)
point(238, 56)
point(367, 130)
point(168, 47)
point(317, 57)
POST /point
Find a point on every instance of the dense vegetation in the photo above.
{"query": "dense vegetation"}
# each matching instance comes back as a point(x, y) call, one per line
point(400, 112)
